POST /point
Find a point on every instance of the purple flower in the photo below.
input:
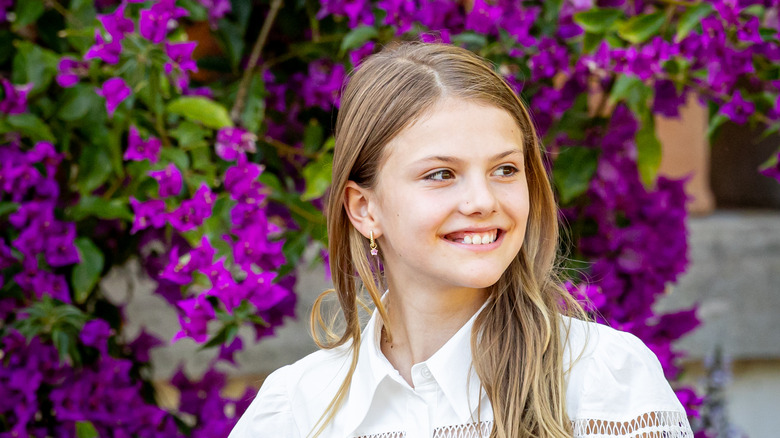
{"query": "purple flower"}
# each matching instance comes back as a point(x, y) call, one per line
point(217, 9)
point(116, 24)
point(95, 333)
point(483, 17)
point(196, 313)
point(169, 180)
point(192, 212)
point(667, 99)
point(139, 150)
point(70, 71)
point(7, 258)
point(322, 86)
point(154, 22)
point(147, 214)
point(15, 99)
point(738, 109)
point(44, 152)
point(114, 90)
point(142, 344)
point(232, 142)
point(181, 57)
point(107, 50)
point(61, 250)
point(227, 352)
point(44, 283)
point(241, 181)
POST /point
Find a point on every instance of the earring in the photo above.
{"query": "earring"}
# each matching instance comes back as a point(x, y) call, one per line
point(372, 244)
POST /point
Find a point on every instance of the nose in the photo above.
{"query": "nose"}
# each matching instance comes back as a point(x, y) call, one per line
point(479, 197)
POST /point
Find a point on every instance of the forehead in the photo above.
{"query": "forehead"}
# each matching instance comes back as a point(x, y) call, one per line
point(453, 127)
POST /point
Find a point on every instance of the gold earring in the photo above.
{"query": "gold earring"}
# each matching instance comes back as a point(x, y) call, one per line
point(372, 244)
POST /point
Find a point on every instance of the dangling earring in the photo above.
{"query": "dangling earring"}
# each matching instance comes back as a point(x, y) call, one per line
point(372, 244)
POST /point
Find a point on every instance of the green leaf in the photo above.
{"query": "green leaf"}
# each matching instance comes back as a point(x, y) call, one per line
point(573, 169)
point(591, 41)
point(94, 168)
point(190, 135)
point(473, 41)
point(33, 64)
point(176, 156)
point(87, 273)
point(641, 27)
point(633, 91)
point(8, 207)
point(27, 12)
point(598, 20)
point(30, 125)
point(76, 102)
point(254, 108)
point(317, 176)
point(85, 429)
point(691, 18)
point(356, 38)
point(201, 109)
point(312, 136)
point(99, 207)
point(648, 151)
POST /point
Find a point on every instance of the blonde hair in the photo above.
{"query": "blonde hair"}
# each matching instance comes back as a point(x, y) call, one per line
point(519, 357)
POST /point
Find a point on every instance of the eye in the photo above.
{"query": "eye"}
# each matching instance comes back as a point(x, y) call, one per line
point(505, 170)
point(440, 175)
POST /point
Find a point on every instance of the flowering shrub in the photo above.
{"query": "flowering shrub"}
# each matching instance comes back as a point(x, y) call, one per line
point(191, 136)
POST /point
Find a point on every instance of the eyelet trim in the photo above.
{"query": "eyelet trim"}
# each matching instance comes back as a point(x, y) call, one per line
point(658, 424)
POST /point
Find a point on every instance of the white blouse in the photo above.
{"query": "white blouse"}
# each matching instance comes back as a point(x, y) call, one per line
point(616, 389)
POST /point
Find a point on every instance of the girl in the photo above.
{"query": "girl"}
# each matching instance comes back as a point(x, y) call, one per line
point(440, 197)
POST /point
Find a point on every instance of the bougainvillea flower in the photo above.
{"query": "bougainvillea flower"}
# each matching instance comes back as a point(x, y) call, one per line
point(169, 180)
point(196, 313)
point(181, 56)
point(61, 250)
point(738, 109)
point(15, 99)
point(232, 142)
point(114, 90)
point(116, 24)
point(69, 72)
point(6, 255)
point(106, 49)
point(44, 152)
point(154, 22)
point(192, 212)
point(147, 214)
point(228, 351)
point(95, 334)
point(139, 150)
point(45, 283)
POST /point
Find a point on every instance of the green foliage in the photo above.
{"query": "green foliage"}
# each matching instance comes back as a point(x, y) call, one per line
point(201, 109)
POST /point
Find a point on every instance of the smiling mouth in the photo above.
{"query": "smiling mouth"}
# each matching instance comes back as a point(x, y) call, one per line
point(470, 238)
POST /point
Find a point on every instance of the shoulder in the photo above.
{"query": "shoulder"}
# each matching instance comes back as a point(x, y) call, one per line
point(612, 375)
point(293, 397)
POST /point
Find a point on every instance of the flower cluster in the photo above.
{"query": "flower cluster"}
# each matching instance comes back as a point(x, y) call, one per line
point(34, 378)
point(40, 243)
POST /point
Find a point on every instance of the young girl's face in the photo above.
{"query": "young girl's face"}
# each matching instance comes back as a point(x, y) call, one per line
point(451, 201)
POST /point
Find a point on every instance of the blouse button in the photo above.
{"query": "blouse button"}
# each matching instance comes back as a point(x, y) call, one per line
point(426, 372)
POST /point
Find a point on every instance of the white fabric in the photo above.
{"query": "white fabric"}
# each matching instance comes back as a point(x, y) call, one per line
point(615, 389)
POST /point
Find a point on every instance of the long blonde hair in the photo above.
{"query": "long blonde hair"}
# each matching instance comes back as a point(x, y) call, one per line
point(519, 357)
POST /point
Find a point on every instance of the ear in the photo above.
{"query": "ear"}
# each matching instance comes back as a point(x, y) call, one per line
point(359, 204)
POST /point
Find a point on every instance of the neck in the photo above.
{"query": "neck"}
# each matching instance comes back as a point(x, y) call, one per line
point(419, 324)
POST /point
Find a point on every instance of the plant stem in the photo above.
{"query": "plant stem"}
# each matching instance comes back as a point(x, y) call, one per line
point(289, 150)
point(246, 79)
point(159, 123)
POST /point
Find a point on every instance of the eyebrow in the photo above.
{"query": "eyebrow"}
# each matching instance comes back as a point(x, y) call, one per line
point(447, 159)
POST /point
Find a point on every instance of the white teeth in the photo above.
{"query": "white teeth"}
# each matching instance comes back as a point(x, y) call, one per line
point(480, 239)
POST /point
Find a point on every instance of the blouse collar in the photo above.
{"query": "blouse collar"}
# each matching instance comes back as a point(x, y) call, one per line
point(450, 366)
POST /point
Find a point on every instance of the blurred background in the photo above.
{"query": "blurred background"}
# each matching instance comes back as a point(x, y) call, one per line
point(164, 164)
